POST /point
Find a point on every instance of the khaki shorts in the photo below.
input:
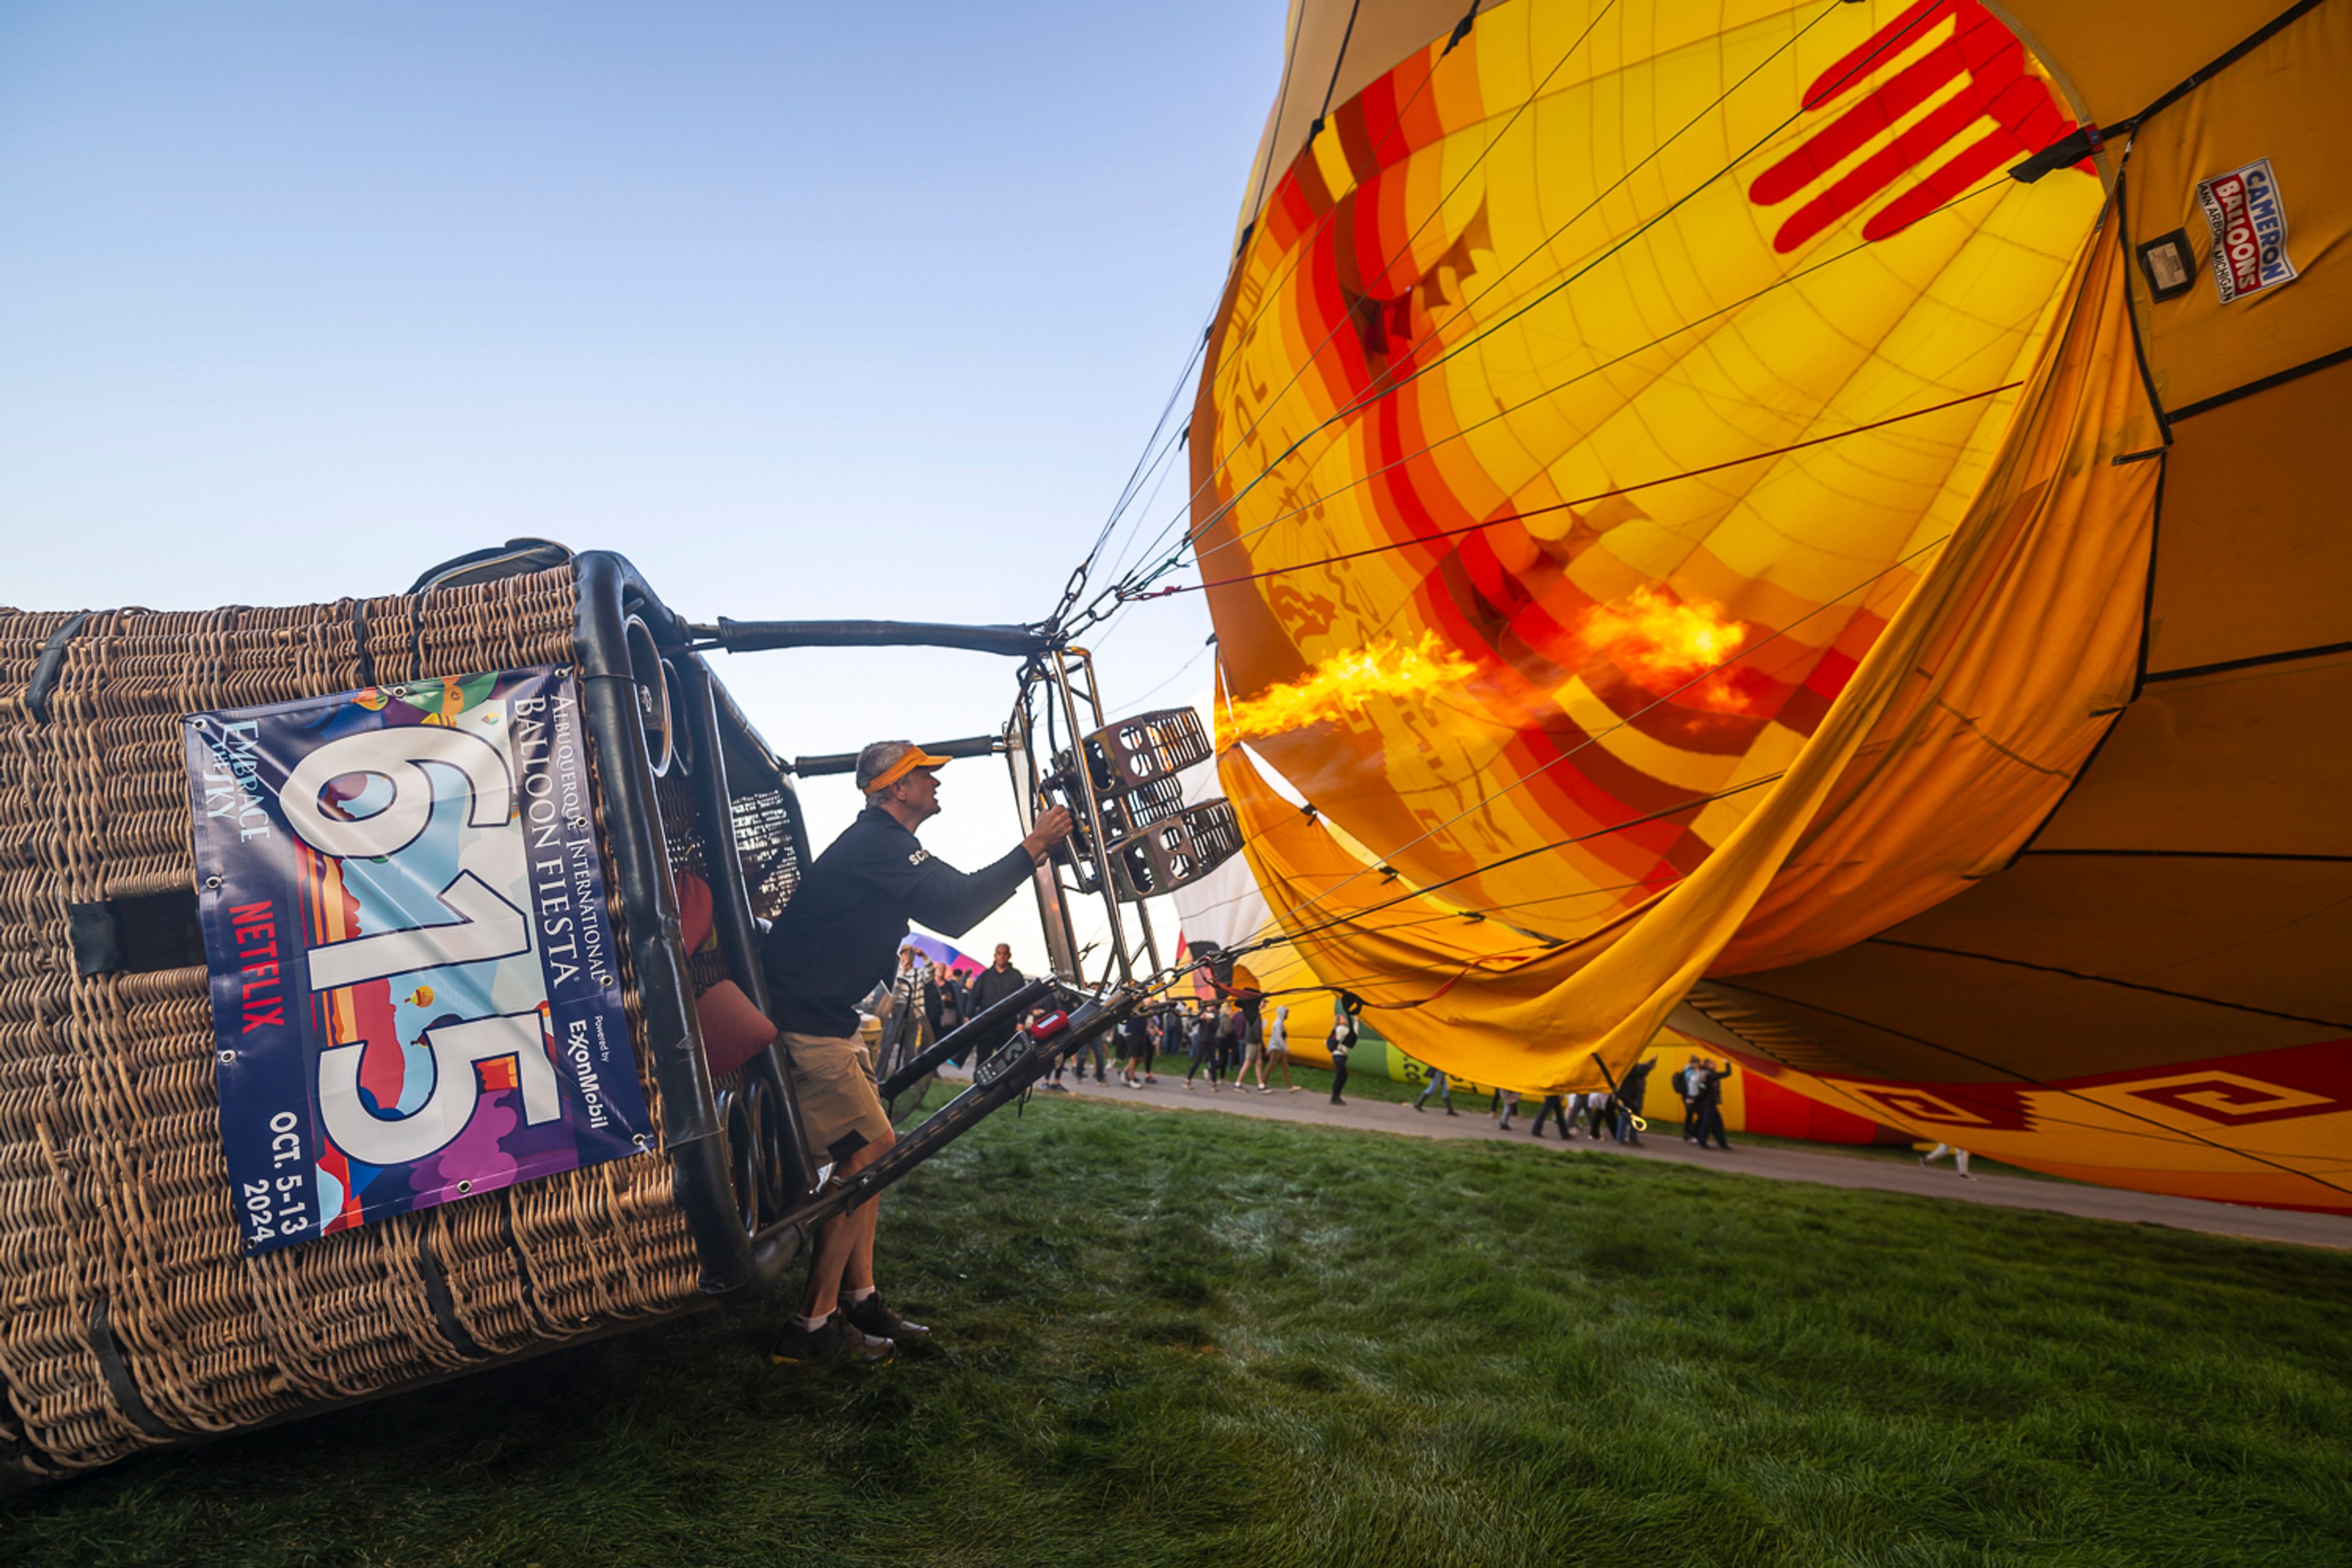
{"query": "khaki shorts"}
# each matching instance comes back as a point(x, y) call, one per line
point(834, 1081)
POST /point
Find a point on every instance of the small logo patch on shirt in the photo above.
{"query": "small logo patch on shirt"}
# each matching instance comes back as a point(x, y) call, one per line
point(918, 857)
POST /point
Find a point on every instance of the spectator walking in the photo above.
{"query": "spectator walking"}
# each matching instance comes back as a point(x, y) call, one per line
point(1555, 1107)
point(1707, 1078)
point(1098, 1048)
point(1600, 1110)
point(1277, 1047)
point(1345, 1008)
point(1134, 1047)
point(1506, 1106)
point(943, 1001)
point(1959, 1158)
point(1229, 1040)
point(1166, 1037)
point(1435, 1084)
point(1252, 1051)
point(1577, 1113)
point(1205, 1047)
point(1686, 1087)
point(1631, 1092)
point(1250, 1031)
point(901, 1012)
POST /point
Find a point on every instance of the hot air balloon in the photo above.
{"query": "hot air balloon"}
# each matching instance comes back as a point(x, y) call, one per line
point(1816, 523)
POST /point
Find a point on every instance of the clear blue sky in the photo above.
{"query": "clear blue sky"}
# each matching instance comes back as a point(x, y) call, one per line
point(811, 310)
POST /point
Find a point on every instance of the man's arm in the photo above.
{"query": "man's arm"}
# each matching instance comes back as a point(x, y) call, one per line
point(951, 902)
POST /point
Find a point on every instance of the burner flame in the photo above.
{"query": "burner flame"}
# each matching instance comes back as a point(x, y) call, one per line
point(1343, 685)
point(1660, 640)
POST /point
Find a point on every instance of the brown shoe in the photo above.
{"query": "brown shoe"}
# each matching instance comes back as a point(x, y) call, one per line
point(835, 1342)
point(874, 1316)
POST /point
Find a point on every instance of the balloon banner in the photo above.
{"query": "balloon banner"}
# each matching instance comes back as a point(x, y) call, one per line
point(415, 976)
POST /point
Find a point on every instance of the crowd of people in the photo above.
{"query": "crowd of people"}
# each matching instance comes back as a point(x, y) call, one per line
point(1230, 1041)
point(1615, 1114)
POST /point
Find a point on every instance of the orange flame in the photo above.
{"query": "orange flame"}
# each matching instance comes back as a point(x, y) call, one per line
point(1658, 639)
point(1347, 682)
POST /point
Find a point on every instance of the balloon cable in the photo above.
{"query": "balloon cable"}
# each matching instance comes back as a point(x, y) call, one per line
point(1878, 49)
point(1583, 500)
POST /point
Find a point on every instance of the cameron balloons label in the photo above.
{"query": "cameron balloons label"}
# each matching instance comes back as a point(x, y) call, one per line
point(2249, 225)
point(415, 977)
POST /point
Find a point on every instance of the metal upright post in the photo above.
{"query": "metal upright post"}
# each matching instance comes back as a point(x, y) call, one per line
point(1078, 732)
point(1052, 912)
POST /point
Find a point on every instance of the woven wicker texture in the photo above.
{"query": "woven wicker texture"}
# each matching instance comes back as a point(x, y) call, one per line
point(115, 1202)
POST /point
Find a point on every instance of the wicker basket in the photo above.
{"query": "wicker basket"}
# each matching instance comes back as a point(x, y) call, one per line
point(135, 1318)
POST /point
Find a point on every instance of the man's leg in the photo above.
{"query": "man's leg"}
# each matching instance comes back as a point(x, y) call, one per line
point(841, 1114)
point(845, 1243)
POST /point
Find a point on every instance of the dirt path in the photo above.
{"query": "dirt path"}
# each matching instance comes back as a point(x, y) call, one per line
point(1877, 1173)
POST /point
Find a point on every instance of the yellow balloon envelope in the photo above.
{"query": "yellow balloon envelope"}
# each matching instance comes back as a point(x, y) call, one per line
point(1707, 540)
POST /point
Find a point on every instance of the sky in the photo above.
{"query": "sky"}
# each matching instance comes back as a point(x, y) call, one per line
point(810, 311)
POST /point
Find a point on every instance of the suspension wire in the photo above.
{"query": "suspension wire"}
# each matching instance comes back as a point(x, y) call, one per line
point(1231, 359)
point(1648, 816)
point(1135, 475)
point(1598, 736)
point(1162, 468)
point(1155, 450)
point(1194, 534)
point(1404, 247)
point(1867, 62)
point(1176, 674)
point(1133, 597)
point(1272, 937)
point(1598, 495)
point(1585, 374)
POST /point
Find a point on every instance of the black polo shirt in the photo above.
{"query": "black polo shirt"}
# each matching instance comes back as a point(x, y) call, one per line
point(839, 936)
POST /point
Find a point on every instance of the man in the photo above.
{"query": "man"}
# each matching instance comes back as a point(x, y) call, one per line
point(1098, 1048)
point(1346, 1007)
point(1134, 1049)
point(1600, 1110)
point(1277, 1048)
point(989, 987)
point(899, 1007)
point(827, 949)
point(1630, 1096)
point(1707, 1079)
point(1686, 1087)
point(1205, 1045)
point(1438, 1084)
point(943, 1001)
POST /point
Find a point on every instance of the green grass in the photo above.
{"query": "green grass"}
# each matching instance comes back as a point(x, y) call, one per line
point(1207, 1340)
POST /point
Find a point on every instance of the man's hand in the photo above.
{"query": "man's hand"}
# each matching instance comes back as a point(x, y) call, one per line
point(1051, 829)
